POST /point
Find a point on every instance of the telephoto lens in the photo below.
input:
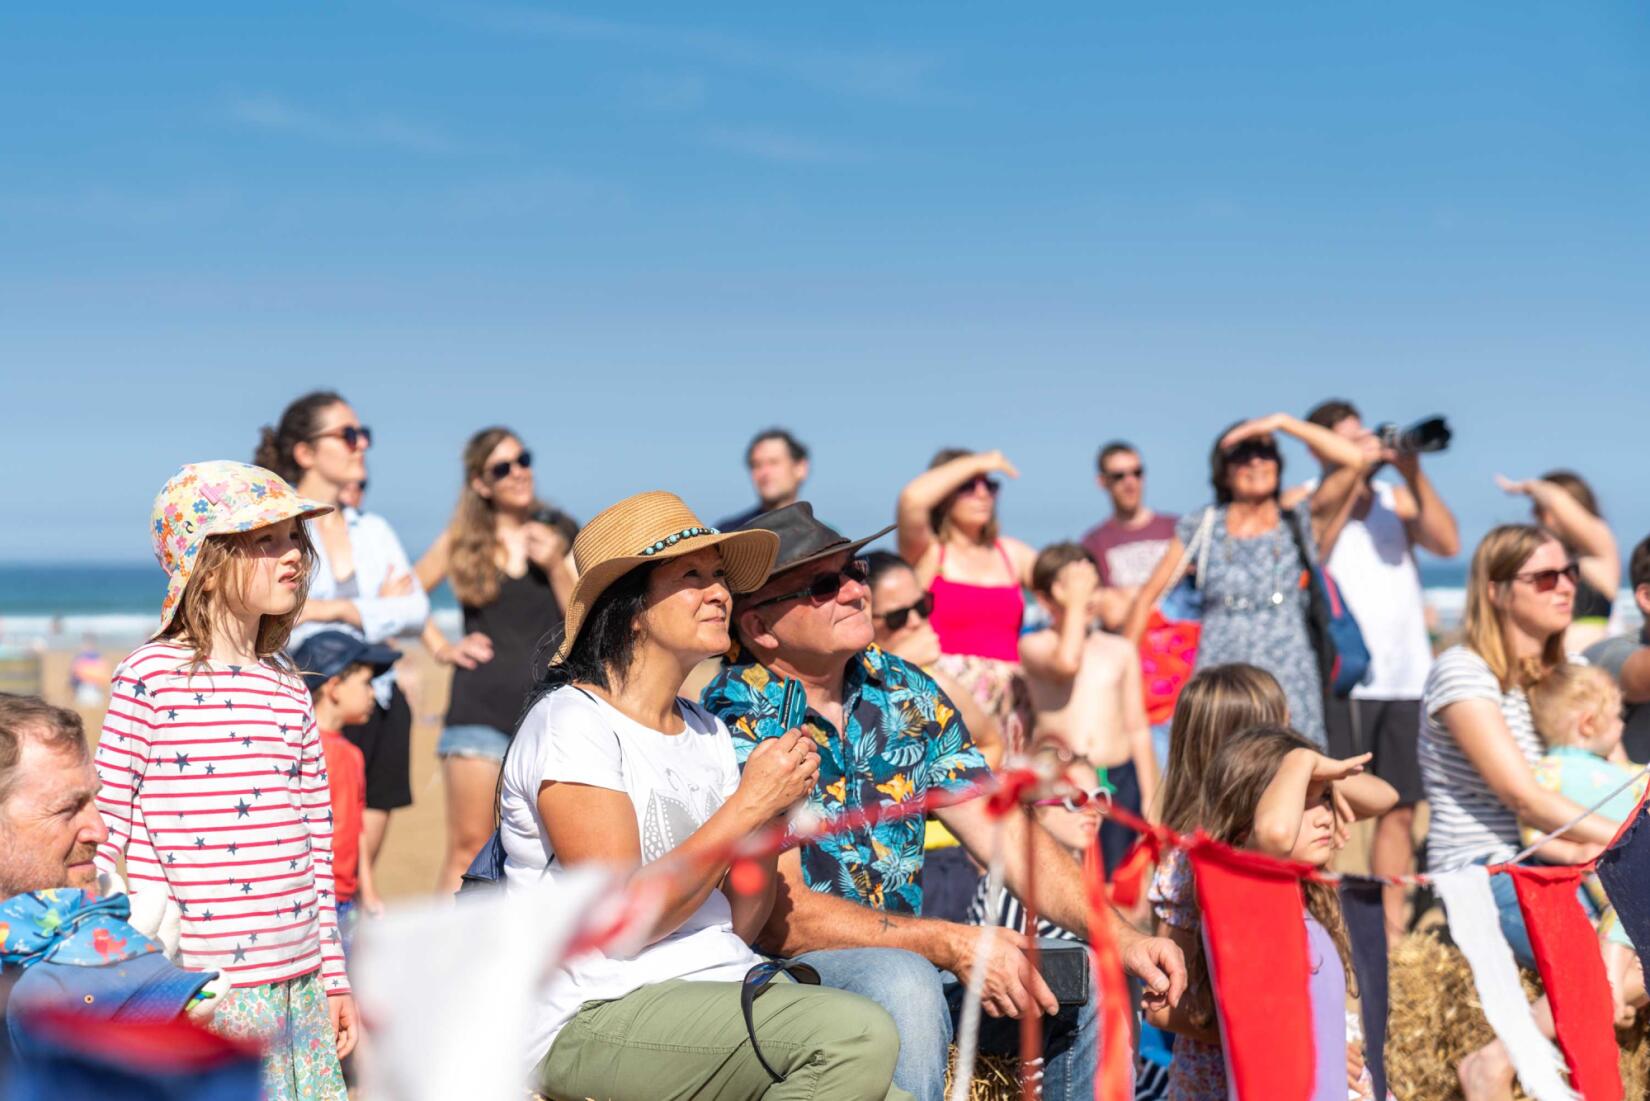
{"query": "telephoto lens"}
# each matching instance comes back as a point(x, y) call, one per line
point(1424, 436)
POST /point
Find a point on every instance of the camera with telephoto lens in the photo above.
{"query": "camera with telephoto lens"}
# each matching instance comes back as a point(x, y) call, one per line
point(556, 518)
point(1423, 437)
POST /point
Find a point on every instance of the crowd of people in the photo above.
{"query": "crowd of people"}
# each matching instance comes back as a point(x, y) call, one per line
point(256, 749)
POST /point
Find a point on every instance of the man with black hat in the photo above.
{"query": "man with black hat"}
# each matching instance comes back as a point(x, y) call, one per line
point(888, 735)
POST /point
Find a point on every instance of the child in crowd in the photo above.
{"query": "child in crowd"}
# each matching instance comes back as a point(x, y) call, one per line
point(1577, 712)
point(339, 669)
point(214, 784)
point(1086, 692)
point(1270, 790)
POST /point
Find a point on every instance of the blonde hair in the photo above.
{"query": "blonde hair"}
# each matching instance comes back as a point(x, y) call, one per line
point(1567, 693)
point(1215, 704)
point(1496, 561)
point(225, 560)
point(473, 549)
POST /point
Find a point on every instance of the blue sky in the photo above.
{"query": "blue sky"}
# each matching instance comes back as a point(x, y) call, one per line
point(640, 232)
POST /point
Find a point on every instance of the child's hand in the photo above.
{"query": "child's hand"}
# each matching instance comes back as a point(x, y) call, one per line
point(1328, 768)
point(371, 905)
point(345, 1022)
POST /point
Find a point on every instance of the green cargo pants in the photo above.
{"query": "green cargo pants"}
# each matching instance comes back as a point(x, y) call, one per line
point(677, 1040)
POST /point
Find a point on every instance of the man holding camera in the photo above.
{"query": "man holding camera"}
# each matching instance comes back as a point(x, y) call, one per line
point(1369, 548)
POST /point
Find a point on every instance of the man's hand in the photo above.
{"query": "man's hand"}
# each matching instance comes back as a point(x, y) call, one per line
point(1158, 963)
point(345, 1023)
point(1012, 988)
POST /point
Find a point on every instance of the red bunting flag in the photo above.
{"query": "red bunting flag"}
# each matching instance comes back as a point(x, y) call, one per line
point(1572, 971)
point(1113, 1082)
point(1255, 934)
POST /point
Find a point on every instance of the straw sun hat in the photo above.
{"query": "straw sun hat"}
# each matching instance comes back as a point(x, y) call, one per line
point(647, 528)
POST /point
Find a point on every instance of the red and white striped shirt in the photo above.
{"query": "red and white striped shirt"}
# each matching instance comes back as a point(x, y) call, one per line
point(215, 789)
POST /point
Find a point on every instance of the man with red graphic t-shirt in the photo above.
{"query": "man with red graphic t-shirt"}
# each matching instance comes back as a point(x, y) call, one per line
point(1128, 545)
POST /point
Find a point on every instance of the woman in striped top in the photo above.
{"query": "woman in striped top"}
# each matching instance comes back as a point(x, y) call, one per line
point(1478, 744)
point(214, 787)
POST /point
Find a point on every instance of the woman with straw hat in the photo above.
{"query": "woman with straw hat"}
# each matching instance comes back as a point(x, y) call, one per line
point(611, 765)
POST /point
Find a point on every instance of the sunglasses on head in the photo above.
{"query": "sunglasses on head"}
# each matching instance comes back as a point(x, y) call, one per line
point(1252, 449)
point(899, 617)
point(354, 436)
point(980, 481)
point(825, 586)
point(1545, 581)
point(1115, 476)
point(501, 469)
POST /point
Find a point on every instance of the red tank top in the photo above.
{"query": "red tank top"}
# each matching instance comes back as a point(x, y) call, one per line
point(978, 620)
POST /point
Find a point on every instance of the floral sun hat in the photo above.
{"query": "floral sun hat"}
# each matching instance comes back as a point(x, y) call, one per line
point(215, 498)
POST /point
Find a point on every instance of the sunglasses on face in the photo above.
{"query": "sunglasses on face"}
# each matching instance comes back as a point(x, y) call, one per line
point(1250, 450)
point(354, 436)
point(980, 481)
point(825, 586)
point(1545, 581)
point(501, 469)
point(899, 617)
point(1115, 476)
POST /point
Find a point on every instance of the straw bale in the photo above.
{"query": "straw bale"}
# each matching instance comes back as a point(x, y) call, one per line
point(1436, 1020)
point(996, 1078)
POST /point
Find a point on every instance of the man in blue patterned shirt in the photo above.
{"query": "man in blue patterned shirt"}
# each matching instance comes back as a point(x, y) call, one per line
point(850, 905)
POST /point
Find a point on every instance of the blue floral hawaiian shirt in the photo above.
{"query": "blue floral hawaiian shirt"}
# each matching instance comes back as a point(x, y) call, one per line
point(903, 740)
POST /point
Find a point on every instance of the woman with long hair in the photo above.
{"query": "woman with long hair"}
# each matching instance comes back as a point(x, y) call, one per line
point(1479, 745)
point(1562, 502)
point(948, 532)
point(361, 583)
point(1250, 548)
point(507, 563)
point(612, 767)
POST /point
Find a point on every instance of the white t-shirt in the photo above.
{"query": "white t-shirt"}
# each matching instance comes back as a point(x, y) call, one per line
point(1375, 568)
point(1468, 820)
point(675, 782)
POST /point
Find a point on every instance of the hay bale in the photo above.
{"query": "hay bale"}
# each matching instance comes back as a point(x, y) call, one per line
point(996, 1077)
point(1436, 1020)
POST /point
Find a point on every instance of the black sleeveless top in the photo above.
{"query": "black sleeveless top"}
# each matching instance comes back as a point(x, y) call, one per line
point(1589, 603)
point(523, 614)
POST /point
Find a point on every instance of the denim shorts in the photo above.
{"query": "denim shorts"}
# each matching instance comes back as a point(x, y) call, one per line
point(482, 742)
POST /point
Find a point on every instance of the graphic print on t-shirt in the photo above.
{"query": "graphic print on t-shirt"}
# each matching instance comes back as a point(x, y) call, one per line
point(668, 820)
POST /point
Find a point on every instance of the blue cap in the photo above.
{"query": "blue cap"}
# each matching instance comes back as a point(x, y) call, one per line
point(76, 951)
point(325, 654)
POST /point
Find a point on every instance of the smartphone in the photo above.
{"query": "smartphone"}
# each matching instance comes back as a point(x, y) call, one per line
point(794, 708)
point(1066, 970)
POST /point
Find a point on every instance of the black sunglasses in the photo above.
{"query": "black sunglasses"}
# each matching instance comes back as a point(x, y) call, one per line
point(1252, 449)
point(501, 470)
point(899, 617)
point(825, 586)
point(353, 436)
point(991, 485)
point(1545, 581)
point(1132, 472)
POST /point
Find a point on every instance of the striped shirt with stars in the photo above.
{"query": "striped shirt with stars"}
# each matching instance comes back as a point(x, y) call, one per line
point(215, 790)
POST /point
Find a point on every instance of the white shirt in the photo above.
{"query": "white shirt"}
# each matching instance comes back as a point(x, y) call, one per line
point(1374, 567)
point(675, 783)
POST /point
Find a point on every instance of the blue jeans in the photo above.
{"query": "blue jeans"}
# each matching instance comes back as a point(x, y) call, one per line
point(471, 740)
point(925, 1003)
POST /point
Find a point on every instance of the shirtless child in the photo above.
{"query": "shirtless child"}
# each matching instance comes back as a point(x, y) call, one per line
point(1086, 691)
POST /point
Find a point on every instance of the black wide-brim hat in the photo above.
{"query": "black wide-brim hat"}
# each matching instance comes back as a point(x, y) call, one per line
point(804, 539)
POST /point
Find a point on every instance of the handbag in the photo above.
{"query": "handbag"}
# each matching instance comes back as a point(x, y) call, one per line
point(1168, 647)
point(1343, 656)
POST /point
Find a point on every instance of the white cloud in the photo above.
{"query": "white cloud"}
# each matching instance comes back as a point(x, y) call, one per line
point(265, 111)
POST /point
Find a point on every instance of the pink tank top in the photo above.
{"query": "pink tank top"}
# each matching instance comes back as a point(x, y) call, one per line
point(978, 620)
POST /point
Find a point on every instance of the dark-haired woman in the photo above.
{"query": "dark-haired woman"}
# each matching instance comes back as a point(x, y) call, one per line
point(612, 767)
point(511, 576)
point(948, 533)
point(362, 582)
point(1563, 503)
point(1254, 606)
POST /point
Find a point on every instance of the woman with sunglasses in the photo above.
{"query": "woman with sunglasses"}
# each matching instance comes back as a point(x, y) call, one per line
point(947, 521)
point(1254, 607)
point(1479, 745)
point(1562, 502)
point(507, 562)
point(362, 581)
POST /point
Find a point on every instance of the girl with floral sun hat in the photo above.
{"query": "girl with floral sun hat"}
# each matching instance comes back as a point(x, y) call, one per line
point(214, 784)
